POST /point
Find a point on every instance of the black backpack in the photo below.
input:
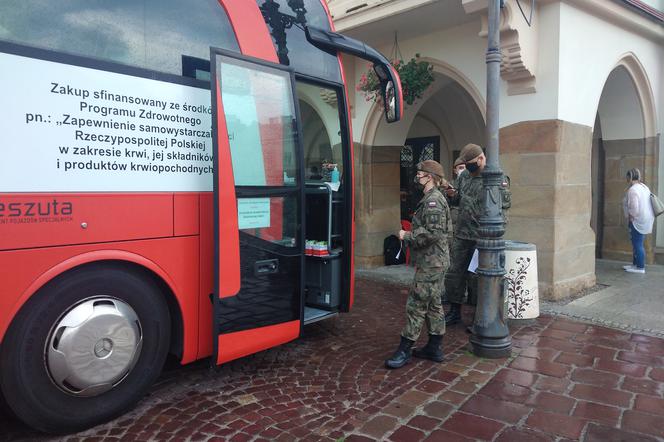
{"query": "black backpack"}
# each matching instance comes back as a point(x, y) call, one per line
point(392, 247)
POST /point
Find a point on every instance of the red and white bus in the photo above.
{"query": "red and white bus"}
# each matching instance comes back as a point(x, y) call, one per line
point(162, 166)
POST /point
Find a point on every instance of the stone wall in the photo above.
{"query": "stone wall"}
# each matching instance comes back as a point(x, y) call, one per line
point(619, 157)
point(549, 165)
point(377, 204)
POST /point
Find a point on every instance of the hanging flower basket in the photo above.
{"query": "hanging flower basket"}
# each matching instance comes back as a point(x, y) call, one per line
point(416, 76)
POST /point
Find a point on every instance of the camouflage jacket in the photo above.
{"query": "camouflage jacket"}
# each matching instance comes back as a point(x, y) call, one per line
point(428, 239)
point(471, 207)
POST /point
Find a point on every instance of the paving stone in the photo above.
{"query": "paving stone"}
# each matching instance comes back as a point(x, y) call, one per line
point(643, 423)
point(564, 324)
point(559, 344)
point(379, 426)
point(597, 412)
point(406, 434)
point(444, 376)
point(523, 435)
point(644, 386)
point(453, 397)
point(596, 351)
point(630, 369)
point(414, 398)
point(602, 433)
point(605, 332)
point(464, 387)
point(552, 402)
point(496, 409)
point(399, 410)
point(488, 366)
point(455, 368)
point(446, 436)
point(516, 377)
point(594, 377)
point(438, 409)
point(640, 358)
point(580, 360)
point(540, 366)
point(651, 349)
point(476, 377)
point(430, 386)
point(601, 395)
point(472, 426)
point(649, 404)
point(619, 344)
point(506, 392)
point(558, 334)
point(358, 438)
point(558, 424)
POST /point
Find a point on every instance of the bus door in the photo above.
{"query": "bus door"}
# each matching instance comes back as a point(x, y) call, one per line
point(258, 193)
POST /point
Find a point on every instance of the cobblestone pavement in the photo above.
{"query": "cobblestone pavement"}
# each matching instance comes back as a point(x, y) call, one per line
point(566, 380)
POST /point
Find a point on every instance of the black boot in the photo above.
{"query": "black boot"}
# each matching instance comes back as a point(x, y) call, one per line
point(454, 315)
point(402, 356)
point(432, 350)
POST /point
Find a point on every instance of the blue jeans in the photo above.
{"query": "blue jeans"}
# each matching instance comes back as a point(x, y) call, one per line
point(639, 256)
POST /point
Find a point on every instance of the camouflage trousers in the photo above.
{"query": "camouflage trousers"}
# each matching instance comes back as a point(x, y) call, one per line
point(458, 277)
point(424, 305)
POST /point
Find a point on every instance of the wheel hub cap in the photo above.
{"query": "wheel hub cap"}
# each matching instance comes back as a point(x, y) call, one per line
point(93, 346)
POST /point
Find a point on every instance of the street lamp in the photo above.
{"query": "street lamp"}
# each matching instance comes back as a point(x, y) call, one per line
point(491, 337)
point(279, 23)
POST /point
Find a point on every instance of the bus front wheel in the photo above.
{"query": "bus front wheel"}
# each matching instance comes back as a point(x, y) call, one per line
point(85, 348)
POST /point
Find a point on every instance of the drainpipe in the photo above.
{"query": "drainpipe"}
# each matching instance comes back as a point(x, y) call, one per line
point(490, 337)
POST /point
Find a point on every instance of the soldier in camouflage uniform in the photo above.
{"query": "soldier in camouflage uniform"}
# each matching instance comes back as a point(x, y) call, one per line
point(468, 197)
point(429, 245)
point(458, 170)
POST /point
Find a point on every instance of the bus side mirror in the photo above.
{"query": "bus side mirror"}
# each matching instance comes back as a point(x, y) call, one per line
point(390, 84)
point(391, 92)
point(392, 111)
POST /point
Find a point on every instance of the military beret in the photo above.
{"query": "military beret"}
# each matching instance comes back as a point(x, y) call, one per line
point(458, 161)
point(470, 152)
point(432, 167)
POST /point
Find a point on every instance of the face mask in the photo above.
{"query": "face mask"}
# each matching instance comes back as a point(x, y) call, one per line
point(418, 185)
point(472, 167)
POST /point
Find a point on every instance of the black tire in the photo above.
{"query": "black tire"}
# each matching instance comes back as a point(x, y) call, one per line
point(24, 378)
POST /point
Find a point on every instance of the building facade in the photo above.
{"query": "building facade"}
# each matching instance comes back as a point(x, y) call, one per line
point(581, 102)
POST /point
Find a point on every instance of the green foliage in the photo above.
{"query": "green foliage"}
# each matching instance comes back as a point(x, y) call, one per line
point(416, 76)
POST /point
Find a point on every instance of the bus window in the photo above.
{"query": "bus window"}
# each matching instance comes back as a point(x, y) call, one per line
point(166, 35)
point(285, 20)
point(323, 150)
point(260, 121)
point(262, 131)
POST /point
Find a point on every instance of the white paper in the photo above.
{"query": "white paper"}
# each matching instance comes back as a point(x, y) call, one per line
point(472, 267)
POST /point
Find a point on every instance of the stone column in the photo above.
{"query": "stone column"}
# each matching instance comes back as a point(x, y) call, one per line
point(377, 201)
point(548, 163)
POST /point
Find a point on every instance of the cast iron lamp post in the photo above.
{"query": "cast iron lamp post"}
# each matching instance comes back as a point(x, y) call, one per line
point(491, 337)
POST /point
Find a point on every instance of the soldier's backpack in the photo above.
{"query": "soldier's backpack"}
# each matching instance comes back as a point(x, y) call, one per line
point(392, 251)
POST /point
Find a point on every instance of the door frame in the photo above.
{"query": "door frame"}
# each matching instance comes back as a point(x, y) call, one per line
point(247, 341)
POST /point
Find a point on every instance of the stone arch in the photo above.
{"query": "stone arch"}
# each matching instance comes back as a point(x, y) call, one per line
point(375, 118)
point(378, 178)
point(624, 136)
point(637, 72)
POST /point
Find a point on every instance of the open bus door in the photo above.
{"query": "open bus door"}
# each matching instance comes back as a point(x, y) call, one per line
point(258, 194)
